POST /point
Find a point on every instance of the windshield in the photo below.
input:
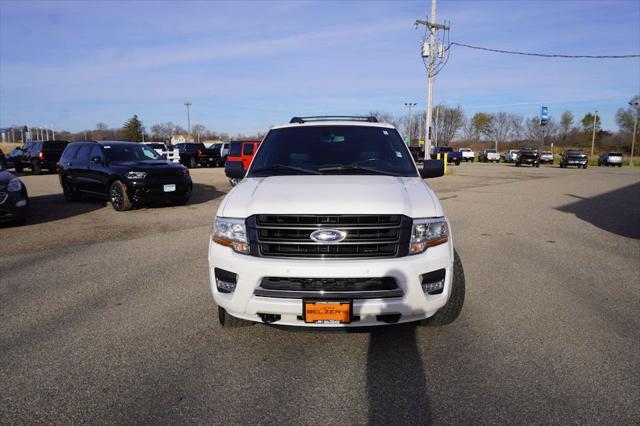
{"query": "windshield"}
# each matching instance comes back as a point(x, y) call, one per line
point(130, 152)
point(333, 150)
point(491, 151)
point(615, 154)
point(216, 146)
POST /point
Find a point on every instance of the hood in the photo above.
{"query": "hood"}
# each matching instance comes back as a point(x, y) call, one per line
point(5, 177)
point(145, 165)
point(331, 194)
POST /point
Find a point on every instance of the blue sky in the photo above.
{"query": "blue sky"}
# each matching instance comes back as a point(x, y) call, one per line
point(248, 65)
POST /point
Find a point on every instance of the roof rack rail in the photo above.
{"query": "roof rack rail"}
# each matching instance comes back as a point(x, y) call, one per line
point(368, 119)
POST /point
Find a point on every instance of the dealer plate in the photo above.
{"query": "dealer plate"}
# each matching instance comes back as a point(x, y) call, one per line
point(170, 187)
point(327, 312)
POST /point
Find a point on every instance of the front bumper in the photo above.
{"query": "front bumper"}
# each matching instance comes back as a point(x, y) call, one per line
point(413, 305)
point(146, 192)
point(13, 206)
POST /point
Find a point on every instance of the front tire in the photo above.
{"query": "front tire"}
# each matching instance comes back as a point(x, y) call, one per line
point(233, 181)
point(229, 321)
point(69, 192)
point(119, 198)
point(36, 168)
point(192, 163)
point(449, 312)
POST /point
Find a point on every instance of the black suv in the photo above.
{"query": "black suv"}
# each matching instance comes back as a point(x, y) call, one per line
point(574, 157)
point(39, 155)
point(528, 156)
point(127, 173)
point(197, 154)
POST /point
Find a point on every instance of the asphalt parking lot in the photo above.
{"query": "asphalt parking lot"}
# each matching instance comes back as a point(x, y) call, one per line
point(107, 317)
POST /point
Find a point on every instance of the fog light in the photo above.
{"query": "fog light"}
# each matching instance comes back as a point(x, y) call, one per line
point(21, 203)
point(433, 282)
point(225, 281)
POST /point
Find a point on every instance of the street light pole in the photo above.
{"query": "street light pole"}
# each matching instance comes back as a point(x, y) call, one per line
point(410, 105)
point(188, 105)
point(593, 136)
point(636, 106)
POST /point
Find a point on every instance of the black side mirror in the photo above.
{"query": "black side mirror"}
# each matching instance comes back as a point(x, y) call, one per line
point(432, 169)
point(234, 172)
point(96, 160)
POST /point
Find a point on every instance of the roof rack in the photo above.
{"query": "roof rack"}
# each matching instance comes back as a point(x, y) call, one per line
point(368, 119)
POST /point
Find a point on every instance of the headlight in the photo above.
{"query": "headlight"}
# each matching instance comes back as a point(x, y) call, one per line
point(428, 233)
point(136, 175)
point(231, 233)
point(14, 185)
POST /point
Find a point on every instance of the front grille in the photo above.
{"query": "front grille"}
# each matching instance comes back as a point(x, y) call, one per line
point(165, 173)
point(329, 288)
point(3, 197)
point(366, 235)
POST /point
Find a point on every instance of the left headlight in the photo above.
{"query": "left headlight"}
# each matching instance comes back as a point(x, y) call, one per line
point(14, 185)
point(136, 175)
point(428, 233)
point(230, 232)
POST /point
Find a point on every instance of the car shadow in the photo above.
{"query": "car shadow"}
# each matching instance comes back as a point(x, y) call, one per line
point(396, 382)
point(615, 211)
point(52, 207)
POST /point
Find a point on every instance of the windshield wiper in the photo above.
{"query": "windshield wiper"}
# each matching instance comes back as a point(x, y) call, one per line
point(277, 167)
point(349, 167)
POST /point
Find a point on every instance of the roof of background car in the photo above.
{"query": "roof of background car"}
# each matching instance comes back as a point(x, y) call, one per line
point(334, 123)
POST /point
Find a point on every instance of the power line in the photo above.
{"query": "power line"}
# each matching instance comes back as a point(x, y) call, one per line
point(546, 55)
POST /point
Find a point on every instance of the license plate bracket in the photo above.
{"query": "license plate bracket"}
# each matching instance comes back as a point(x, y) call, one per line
point(327, 311)
point(171, 187)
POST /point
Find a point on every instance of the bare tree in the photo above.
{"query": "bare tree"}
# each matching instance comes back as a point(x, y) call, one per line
point(517, 126)
point(469, 130)
point(199, 131)
point(449, 121)
point(535, 132)
point(500, 128)
point(162, 131)
point(385, 117)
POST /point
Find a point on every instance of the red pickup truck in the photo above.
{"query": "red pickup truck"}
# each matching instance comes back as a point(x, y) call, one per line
point(240, 156)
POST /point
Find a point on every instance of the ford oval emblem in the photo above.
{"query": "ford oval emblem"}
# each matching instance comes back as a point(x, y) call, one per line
point(328, 236)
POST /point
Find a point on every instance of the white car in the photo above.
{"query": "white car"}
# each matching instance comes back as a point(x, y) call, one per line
point(546, 157)
point(171, 154)
point(511, 156)
point(467, 154)
point(334, 226)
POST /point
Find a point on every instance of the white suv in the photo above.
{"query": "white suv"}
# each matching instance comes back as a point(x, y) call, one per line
point(333, 225)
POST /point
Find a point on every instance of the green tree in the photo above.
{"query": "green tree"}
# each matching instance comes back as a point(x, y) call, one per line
point(481, 123)
point(587, 122)
point(132, 130)
point(566, 124)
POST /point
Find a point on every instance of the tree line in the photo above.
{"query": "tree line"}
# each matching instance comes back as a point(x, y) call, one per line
point(505, 130)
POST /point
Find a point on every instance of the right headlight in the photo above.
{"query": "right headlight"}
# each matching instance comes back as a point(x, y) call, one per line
point(428, 233)
point(230, 232)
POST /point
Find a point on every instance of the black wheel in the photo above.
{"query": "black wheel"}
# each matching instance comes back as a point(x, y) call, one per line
point(449, 312)
point(36, 169)
point(620, 165)
point(192, 163)
point(229, 321)
point(562, 165)
point(70, 193)
point(537, 164)
point(457, 163)
point(517, 164)
point(18, 169)
point(118, 196)
point(233, 181)
point(584, 167)
point(472, 160)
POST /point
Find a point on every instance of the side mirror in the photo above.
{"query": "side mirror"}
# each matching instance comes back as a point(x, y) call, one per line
point(431, 169)
point(96, 160)
point(234, 172)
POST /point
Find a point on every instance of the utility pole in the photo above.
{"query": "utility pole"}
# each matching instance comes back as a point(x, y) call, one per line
point(635, 105)
point(593, 136)
point(47, 130)
point(435, 128)
point(434, 66)
point(409, 105)
point(188, 105)
point(53, 133)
